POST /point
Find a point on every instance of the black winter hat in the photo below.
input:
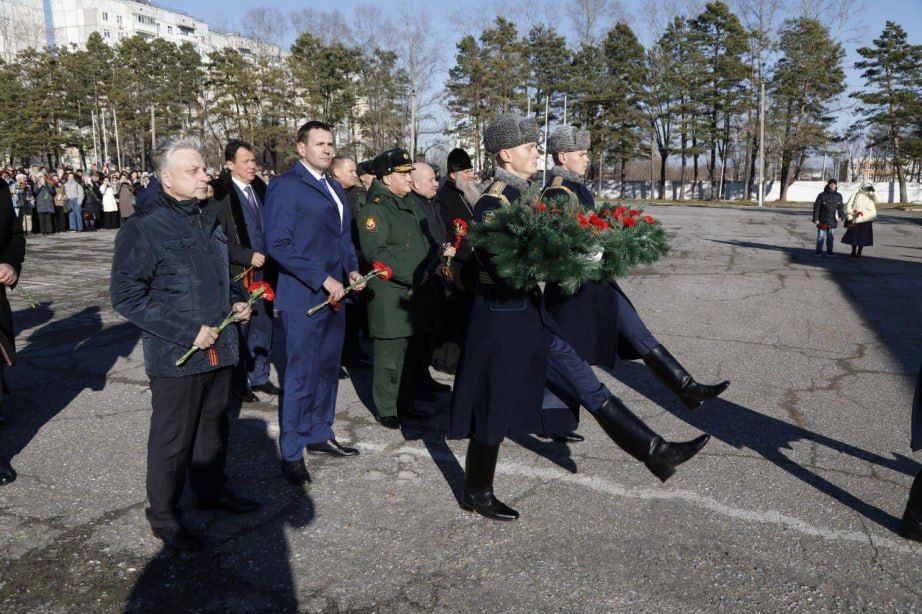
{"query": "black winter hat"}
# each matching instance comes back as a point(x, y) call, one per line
point(458, 160)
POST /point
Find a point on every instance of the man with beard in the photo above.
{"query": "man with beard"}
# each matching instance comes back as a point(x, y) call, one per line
point(455, 199)
point(513, 346)
point(599, 321)
point(343, 170)
point(307, 223)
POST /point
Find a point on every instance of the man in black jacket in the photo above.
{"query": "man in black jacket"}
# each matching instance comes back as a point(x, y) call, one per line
point(455, 199)
point(12, 253)
point(827, 209)
point(241, 193)
point(170, 278)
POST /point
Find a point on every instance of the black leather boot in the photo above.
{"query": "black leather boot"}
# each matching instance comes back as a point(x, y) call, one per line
point(640, 441)
point(677, 379)
point(479, 468)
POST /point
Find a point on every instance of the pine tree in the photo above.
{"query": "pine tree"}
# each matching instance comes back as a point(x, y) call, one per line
point(807, 77)
point(892, 74)
point(721, 41)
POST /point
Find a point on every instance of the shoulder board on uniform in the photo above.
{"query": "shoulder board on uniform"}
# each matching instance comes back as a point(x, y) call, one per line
point(377, 199)
point(557, 184)
point(497, 189)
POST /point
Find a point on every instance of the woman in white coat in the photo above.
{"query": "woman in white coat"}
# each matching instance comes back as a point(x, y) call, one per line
point(861, 213)
point(110, 214)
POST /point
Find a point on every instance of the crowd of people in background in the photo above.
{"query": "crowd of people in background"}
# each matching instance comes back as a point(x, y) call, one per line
point(53, 200)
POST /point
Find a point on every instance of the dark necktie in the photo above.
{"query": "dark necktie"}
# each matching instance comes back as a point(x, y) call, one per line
point(251, 198)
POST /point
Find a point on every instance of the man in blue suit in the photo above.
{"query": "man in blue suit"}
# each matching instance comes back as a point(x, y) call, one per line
point(308, 233)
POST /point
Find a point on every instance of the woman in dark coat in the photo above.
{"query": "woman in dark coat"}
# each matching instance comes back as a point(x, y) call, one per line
point(911, 527)
point(12, 252)
point(44, 204)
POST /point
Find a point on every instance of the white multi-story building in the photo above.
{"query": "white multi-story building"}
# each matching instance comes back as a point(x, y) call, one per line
point(22, 26)
point(36, 23)
point(70, 22)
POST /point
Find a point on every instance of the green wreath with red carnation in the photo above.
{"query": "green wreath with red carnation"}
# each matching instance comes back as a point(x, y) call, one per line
point(556, 240)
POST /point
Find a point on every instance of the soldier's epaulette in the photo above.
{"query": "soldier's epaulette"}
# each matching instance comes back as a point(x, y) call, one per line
point(377, 199)
point(497, 189)
point(557, 184)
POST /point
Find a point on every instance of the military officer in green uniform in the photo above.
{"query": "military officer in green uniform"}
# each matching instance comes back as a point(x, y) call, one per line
point(366, 173)
point(390, 231)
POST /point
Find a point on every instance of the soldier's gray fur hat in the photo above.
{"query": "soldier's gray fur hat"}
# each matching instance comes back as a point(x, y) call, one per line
point(567, 138)
point(509, 130)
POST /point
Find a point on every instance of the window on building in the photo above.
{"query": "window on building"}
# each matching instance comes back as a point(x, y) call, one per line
point(106, 33)
point(169, 29)
point(118, 19)
point(105, 16)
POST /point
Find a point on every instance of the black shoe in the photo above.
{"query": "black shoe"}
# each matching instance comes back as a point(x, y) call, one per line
point(228, 502)
point(571, 437)
point(357, 362)
point(179, 538)
point(248, 397)
point(910, 527)
point(390, 422)
point(331, 447)
point(674, 376)
point(633, 436)
point(7, 474)
point(296, 472)
point(268, 388)
point(479, 469)
point(435, 386)
point(666, 455)
point(487, 506)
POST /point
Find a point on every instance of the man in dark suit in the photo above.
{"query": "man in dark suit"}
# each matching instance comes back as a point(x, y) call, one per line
point(307, 223)
point(12, 253)
point(242, 196)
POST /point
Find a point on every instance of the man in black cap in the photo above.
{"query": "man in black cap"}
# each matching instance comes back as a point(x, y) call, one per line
point(399, 308)
point(456, 199)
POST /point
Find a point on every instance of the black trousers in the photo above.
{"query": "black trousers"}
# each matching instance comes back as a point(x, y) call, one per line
point(188, 433)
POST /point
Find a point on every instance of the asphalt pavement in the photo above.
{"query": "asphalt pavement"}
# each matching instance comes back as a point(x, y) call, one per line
point(792, 506)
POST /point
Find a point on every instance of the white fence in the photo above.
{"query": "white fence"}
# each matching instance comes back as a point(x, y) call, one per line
point(800, 191)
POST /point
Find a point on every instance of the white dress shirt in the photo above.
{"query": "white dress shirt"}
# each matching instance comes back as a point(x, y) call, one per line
point(322, 179)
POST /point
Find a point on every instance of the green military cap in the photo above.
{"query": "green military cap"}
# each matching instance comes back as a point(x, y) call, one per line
point(392, 161)
point(365, 167)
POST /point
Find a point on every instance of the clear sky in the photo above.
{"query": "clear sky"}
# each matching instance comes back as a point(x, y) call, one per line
point(868, 18)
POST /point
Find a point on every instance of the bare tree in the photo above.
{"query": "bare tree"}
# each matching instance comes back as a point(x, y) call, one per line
point(422, 58)
point(328, 26)
point(266, 26)
point(844, 18)
point(591, 19)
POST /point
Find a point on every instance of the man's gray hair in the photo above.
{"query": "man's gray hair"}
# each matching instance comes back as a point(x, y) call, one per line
point(166, 147)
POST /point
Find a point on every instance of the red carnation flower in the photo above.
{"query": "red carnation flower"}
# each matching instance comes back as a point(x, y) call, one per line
point(541, 207)
point(629, 221)
point(583, 220)
point(598, 222)
point(648, 219)
point(268, 294)
point(384, 272)
point(634, 212)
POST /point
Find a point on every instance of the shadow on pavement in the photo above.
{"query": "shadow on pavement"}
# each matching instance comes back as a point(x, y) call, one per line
point(62, 359)
point(741, 427)
point(246, 565)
